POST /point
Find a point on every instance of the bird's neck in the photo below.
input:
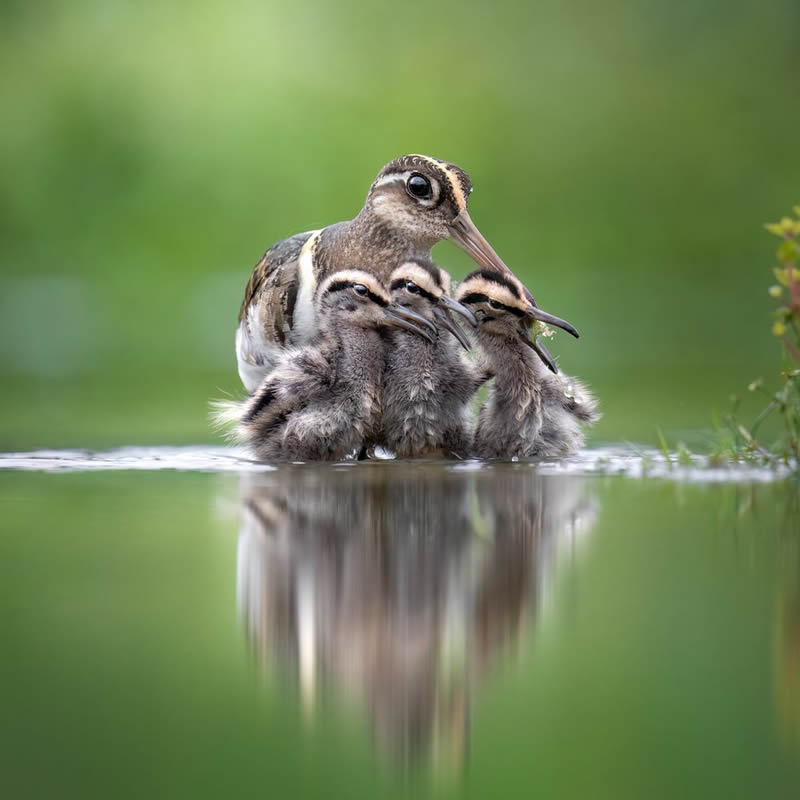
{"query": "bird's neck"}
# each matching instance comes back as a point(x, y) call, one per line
point(408, 352)
point(362, 349)
point(513, 362)
point(370, 243)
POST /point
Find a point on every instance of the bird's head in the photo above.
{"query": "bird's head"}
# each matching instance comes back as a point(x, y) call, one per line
point(353, 298)
point(424, 200)
point(502, 308)
point(419, 198)
point(423, 287)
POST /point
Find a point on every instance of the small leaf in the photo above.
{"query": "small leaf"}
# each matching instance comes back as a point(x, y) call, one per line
point(788, 251)
point(774, 227)
point(542, 329)
point(775, 291)
point(787, 225)
point(781, 275)
point(755, 385)
point(797, 210)
point(778, 328)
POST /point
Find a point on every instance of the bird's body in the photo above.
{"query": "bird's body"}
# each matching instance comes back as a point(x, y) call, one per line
point(427, 385)
point(529, 412)
point(415, 202)
point(322, 401)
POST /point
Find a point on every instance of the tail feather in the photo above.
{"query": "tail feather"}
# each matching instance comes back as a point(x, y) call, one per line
point(226, 416)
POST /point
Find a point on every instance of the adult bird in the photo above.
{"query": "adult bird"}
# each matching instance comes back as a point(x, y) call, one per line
point(415, 202)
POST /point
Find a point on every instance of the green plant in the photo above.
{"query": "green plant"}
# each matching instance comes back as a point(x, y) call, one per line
point(734, 440)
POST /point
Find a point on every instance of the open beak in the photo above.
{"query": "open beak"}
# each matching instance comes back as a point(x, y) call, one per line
point(409, 320)
point(544, 354)
point(538, 348)
point(444, 320)
point(535, 312)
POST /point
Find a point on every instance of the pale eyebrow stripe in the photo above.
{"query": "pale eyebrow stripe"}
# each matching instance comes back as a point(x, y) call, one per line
point(399, 176)
point(455, 184)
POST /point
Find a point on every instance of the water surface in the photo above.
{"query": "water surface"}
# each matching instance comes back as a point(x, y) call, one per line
point(395, 629)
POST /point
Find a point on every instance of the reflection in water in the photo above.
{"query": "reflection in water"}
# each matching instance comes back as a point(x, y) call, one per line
point(787, 626)
point(397, 586)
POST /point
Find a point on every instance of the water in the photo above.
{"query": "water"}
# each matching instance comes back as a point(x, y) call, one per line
point(185, 623)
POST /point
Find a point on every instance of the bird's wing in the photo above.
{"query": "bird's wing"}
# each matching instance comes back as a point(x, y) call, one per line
point(267, 311)
point(272, 287)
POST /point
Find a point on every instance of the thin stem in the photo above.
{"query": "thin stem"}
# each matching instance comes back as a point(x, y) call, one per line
point(762, 416)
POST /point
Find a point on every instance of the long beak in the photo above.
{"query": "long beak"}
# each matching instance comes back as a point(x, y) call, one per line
point(467, 236)
point(454, 305)
point(409, 320)
point(449, 325)
point(536, 313)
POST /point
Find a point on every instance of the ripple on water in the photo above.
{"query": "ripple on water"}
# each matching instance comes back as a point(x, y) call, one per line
point(632, 462)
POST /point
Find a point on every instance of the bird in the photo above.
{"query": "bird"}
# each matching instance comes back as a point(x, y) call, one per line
point(427, 385)
point(529, 411)
point(413, 203)
point(323, 399)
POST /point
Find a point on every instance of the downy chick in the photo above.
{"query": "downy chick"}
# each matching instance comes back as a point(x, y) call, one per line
point(529, 411)
point(324, 399)
point(427, 385)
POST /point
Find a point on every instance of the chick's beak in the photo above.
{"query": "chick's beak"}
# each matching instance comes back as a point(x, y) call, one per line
point(526, 334)
point(534, 312)
point(444, 320)
point(402, 317)
point(454, 305)
point(466, 235)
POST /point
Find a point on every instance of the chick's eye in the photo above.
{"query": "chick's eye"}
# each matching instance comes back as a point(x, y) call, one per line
point(495, 304)
point(420, 187)
point(412, 287)
point(359, 288)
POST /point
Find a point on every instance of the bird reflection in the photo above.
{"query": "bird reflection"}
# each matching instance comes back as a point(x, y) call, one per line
point(396, 586)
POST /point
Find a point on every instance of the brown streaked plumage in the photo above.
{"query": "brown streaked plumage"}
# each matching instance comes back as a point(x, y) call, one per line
point(414, 202)
point(529, 411)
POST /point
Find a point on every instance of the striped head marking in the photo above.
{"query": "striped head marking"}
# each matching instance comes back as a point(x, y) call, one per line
point(502, 305)
point(417, 284)
point(421, 196)
point(498, 302)
point(421, 286)
point(351, 297)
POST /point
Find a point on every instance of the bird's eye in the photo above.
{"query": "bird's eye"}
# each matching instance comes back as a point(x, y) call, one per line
point(359, 288)
point(412, 287)
point(420, 187)
point(495, 304)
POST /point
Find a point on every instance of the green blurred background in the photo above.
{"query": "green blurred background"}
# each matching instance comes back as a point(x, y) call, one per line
point(624, 157)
